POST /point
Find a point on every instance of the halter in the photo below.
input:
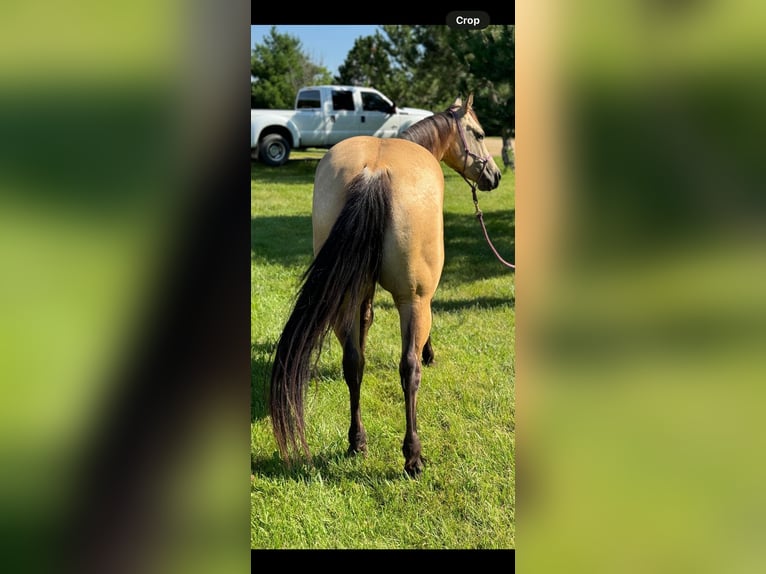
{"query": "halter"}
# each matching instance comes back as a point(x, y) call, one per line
point(484, 160)
point(473, 184)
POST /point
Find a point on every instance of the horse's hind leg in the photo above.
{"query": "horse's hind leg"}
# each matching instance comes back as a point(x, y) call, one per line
point(353, 370)
point(415, 319)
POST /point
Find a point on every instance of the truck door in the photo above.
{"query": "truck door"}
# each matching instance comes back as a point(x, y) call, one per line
point(379, 116)
point(309, 118)
point(344, 117)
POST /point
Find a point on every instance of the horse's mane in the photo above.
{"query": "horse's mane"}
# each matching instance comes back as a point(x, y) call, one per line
point(430, 132)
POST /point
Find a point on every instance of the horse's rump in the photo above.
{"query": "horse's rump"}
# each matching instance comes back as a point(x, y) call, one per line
point(413, 249)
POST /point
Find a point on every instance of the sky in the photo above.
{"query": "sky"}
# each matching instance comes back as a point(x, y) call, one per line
point(325, 45)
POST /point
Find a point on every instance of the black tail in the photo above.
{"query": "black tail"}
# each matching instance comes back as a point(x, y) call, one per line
point(330, 293)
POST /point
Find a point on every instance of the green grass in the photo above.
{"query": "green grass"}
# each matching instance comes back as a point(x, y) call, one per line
point(465, 497)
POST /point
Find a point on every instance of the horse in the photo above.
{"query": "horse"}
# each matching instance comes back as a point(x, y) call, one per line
point(377, 219)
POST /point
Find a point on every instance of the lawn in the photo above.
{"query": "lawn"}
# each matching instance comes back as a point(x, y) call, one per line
point(465, 497)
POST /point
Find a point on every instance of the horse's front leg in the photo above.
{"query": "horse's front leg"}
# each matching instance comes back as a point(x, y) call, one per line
point(428, 353)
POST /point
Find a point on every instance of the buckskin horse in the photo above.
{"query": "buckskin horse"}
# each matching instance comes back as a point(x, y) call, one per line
point(377, 219)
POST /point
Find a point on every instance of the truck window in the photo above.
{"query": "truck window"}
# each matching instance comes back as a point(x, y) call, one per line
point(372, 102)
point(342, 100)
point(309, 99)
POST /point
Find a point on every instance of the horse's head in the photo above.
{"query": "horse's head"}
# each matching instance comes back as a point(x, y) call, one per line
point(468, 153)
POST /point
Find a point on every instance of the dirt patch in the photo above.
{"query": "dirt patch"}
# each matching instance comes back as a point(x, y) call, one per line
point(495, 146)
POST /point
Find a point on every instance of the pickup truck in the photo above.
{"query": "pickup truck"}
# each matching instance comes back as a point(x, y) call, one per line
point(323, 116)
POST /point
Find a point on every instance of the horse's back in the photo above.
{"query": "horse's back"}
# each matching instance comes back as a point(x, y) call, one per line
point(413, 245)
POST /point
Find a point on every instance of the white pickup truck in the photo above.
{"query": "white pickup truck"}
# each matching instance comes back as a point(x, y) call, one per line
point(323, 116)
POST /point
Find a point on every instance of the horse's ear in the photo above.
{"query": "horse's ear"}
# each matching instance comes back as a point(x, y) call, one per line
point(458, 103)
point(469, 102)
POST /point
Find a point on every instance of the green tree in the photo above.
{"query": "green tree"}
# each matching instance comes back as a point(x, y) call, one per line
point(490, 58)
point(367, 64)
point(438, 71)
point(428, 66)
point(410, 64)
point(279, 68)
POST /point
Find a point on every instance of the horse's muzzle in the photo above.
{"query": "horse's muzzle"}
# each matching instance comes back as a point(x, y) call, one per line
point(489, 180)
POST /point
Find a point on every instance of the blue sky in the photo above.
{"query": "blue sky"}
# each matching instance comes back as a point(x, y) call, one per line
point(326, 45)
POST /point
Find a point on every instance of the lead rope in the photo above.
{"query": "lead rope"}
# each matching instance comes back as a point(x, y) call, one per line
point(479, 214)
point(480, 217)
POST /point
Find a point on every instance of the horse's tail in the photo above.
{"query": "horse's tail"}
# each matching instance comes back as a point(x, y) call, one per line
point(347, 265)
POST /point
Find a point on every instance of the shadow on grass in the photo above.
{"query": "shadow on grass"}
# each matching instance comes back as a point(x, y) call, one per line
point(260, 374)
point(467, 256)
point(456, 305)
point(333, 466)
point(299, 170)
point(286, 240)
point(478, 303)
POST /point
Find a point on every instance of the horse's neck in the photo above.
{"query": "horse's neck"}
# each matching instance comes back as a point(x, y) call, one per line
point(436, 141)
point(442, 148)
point(445, 141)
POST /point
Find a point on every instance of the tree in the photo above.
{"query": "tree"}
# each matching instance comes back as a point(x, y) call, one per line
point(431, 66)
point(367, 64)
point(490, 57)
point(410, 64)
point(279, 68)
point(428, 66)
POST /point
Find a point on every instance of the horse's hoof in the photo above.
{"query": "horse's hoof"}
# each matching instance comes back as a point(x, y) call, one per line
point(357, 442)
point(355, 450)
point(414, 469)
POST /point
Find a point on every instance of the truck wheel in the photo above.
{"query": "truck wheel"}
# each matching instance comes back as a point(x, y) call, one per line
point(274, 150)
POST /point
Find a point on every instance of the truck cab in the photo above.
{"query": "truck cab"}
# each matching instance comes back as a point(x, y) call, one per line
point(324, 116)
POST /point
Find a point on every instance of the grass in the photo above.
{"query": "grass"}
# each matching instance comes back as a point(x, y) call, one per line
point(465, 498)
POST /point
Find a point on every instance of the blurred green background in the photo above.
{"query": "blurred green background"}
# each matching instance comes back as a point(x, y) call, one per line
point(640, 384)
point(115, 122)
